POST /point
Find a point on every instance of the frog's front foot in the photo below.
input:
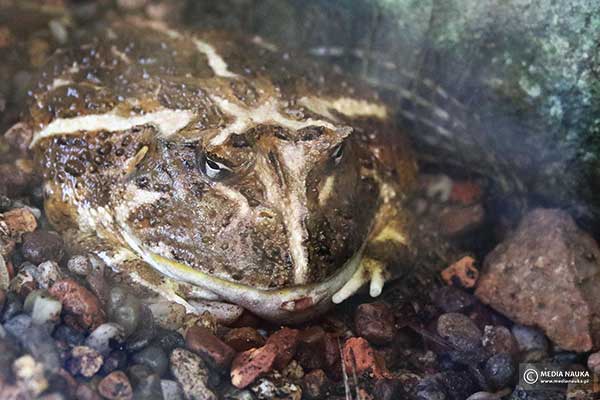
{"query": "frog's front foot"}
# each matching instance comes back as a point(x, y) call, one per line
point(370, 270)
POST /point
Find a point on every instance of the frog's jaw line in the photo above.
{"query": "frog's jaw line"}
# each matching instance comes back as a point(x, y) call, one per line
point(269, 304)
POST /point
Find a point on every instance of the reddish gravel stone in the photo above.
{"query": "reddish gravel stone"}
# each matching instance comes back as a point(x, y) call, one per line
point(359, 356)
point(115, 386)
point(461, 273)
point(242, 339)
point(285, 341)
point(547, 274)
point(251, 364)
point(311, 348)
point(375, 322)
point(213, 350)
point(80, 302)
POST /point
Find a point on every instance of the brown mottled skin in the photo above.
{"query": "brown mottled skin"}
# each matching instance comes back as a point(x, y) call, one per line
point(230, 209)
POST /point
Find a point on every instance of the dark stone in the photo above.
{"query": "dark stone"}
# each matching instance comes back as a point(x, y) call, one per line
point(40, 246)
point(154, 357)
point(451, 299)
point(499, 370)
point(375, 322)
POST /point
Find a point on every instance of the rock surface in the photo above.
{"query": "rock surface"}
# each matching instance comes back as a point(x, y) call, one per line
point(192, 374)
point(546, 274)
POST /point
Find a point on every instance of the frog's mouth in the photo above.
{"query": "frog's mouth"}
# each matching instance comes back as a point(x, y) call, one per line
point(290, 304)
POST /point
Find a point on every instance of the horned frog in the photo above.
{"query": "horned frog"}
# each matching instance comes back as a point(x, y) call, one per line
point(210, 166)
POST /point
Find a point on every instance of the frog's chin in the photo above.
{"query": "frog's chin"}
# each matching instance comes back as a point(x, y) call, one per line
point(290, 304)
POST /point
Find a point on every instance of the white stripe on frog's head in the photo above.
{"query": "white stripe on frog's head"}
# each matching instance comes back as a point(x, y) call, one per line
point(166, 121)
point(215, 61)
point(266, 113)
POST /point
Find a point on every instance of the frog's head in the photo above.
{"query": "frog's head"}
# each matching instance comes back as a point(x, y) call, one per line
point(271, 212)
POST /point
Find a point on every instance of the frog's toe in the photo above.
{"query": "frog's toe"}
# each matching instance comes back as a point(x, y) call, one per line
point(370, 270)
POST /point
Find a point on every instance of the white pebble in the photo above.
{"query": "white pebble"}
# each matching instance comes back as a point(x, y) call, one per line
point(46, 309)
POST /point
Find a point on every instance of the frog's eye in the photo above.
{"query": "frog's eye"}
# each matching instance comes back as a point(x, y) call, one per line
point(214, 169)
point(338, 153)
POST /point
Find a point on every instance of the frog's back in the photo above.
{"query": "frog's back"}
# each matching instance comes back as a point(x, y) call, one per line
point(181, 86)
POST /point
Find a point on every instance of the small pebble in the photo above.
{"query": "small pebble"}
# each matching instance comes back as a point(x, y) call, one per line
point(153, 357)
point(127, 314)
point(593, 363)
point(84, 361)
point(115, 360)
point(242, 339)
point(149, 388)
point(168, 315)
point(145, 330)
point(208, 346)
point(79, 302)
point(498, 339)
point(285, 341)
point(69, 335)
point(310, 352)
point(40, 246)
point(499, 370)
point(36, 340)
point(529, 338)
point(138, 372)
point(18, 325)
point(170, 390)
point(359, 356)
point(375, 322)
point(314, 384)
point(18, 222)
point(169, 340)
point(103, 336)
point(79, 265)
point(30, 374)
point(430, 389)
point(249, 365)
point(47, 273)
point(23, 283)
point(115, 386)
point(85, 392)
point(192, 374)
point(451, 299)
point(31, 298)
point(46, 310)
point(459, 330)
